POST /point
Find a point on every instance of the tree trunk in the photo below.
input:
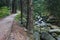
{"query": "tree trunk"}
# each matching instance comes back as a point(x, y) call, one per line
point(14, 6)
point(21, 7)
point(29, 15)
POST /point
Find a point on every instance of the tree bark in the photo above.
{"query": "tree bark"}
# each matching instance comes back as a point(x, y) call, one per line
point(22, 10)
point(29, 15)
point(14, 6)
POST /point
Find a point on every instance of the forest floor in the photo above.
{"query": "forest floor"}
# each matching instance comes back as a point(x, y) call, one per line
point(17, 33)
point(10, 30)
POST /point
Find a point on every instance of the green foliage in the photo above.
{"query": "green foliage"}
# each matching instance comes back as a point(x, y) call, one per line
point(17, 18)
point(40, 8)
point(4, 11)
point(53, 6)
point(47, 8)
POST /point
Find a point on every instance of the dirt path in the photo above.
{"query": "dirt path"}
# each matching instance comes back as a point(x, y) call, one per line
point(18, 33)
point(5, 29)
point(5, 26)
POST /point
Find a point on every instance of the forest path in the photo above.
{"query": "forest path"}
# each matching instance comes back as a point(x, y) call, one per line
point(6, 27)
point(17, 33)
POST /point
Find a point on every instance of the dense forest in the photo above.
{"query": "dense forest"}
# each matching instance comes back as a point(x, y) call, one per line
point(41, 18)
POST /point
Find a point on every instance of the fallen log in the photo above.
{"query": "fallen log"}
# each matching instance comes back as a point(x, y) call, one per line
point(54, 30)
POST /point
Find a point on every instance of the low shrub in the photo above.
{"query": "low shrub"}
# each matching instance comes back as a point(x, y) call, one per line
point(4, 11)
